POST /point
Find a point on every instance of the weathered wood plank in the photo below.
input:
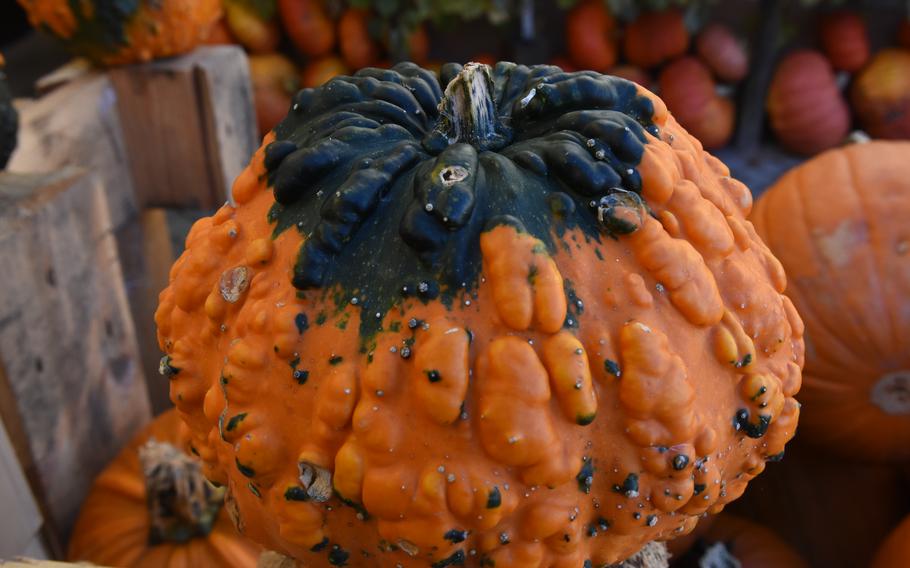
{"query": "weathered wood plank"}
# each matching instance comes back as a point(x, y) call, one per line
point(72, 385)
point(188, 124)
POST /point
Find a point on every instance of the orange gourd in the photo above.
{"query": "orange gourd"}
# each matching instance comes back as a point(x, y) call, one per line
point(838, 225)
point(322, 70)
point(722, 52)
point(357, 47)
point(807, 112)
point(729, 538)
point(254, 32)
point(655, 37)
point(895, 550)
point(444, 323)
point(634, 74)
point(275, 80)
point(845, 41)
point(688, 89)
point(590, 31)
point(121, 526)
point(307, 26)
point(117, 33)
point(880, 95)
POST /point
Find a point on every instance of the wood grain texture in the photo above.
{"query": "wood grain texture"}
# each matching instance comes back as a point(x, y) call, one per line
point(188, 124)
point(72, 389)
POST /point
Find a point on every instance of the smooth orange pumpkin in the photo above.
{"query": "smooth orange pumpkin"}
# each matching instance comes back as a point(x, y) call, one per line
point(845, 40)
point(689, 92)
point(357, 48)
point(655, 37)
point(881, 95)
point(807, 112)
point(117, 33)
point(454, 338)
point(307, 26)
point(722, 52)
point(838, 224)
point(731, 538)
point(121, 526)
point(590, 31)
point(895, 551)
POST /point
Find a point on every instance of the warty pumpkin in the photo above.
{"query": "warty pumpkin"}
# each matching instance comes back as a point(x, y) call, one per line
point(590, 36)
point(807, 111)
point(115, 33)
point(722, 52)
point(9, 120)
point(729, 540)
point(509, 316)
point(838, 224)
point(655, 37)
point(895, 550)
point(845, 40)
point(152, 508)
point(880, 95)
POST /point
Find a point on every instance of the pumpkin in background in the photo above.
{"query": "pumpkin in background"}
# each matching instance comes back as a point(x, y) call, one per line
point(838, 224)
point(688, 89)
point(357, 47)
point(634, 74)
point(182, 523)
point(275, 81)
point(9, 120)
point(895, 551)
point(807, 112)
point(590, 31)
point(903, 34)
point(514, 311)
point(722, 52)
point(728, 540)
point(419, 45)
point(655, 37)
point(307, 26)
point(845, 40)
point(253, 24)
point(881, 95)
point(115, 33)
point(322, 70)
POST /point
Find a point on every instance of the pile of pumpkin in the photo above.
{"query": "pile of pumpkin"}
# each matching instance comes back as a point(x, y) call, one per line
point(695, 75)
point(808, 110)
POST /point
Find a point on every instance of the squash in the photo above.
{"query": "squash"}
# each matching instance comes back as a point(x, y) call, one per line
point(845, 40)
point(838, 225)
point(881, 95)
point(508, 316)
point(728, 540)
point(722, 53)
point(255, 31)
point(275, 80)
point(181, 523)
point(9, 120)
point(634, 74)
point(895, 550)
point(689, 91)
point(116, 33)
point(590, 36)
point(655, 37)
point(321, 70)
point(307, 26)
point(357, 47)
point(807, 112)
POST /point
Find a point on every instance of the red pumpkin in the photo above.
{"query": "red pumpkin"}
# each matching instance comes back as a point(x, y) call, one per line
point(655, 37)
point(590, 30)
point(357, 47)
point(881, 95)
point(722, 52)
point(845, 40)
point(838, 224)
point(307, 26)
point(895, 551)
point(688, 90)
point(807, 112)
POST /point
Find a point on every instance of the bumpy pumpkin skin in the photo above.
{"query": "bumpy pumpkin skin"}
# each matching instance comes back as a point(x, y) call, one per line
point(590, 387)
point(116, 33)
point(838, 225)
point(113, 525)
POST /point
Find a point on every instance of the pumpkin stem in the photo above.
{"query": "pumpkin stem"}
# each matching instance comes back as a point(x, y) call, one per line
point(467, 111)
point(182, 503)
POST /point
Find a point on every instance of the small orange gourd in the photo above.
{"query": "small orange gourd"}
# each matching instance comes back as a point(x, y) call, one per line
point(880, 95)
point(357, 48)
point(688, 89)
point(151, 508)
point(655, 37)
point(838, 224)
point(590, 31)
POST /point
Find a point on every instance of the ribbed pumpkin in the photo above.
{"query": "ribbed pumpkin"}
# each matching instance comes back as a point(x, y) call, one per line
point(881, 95)
point(722, 52)
point(590, 41)
point(895, 551)
point(839, 225)
point(181, 523)
point(510, 317)
point(688, 90)
point(655, 37)
point(115, 33)
point(728, 538)
point(808, 113)
point(845, 40)
point(9, 120)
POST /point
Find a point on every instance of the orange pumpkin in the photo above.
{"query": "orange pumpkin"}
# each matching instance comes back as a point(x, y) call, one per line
point(307, 26)
point(881, 95)
point(634, 74)
point(322, 70)
point(357, 47)
point(845, 41)
point(727, 539)
point(655, 37)
point(807, 112)
point(121, 525)
point(838, 225)
point(117, 33)
point(722, 52)
point(275, 80)
point(254, 32)
point(590, 30)
point(689, 91)
point(895, 551)
point(439, 317)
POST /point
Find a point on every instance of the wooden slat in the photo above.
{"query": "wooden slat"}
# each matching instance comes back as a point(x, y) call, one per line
point(72, 390)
